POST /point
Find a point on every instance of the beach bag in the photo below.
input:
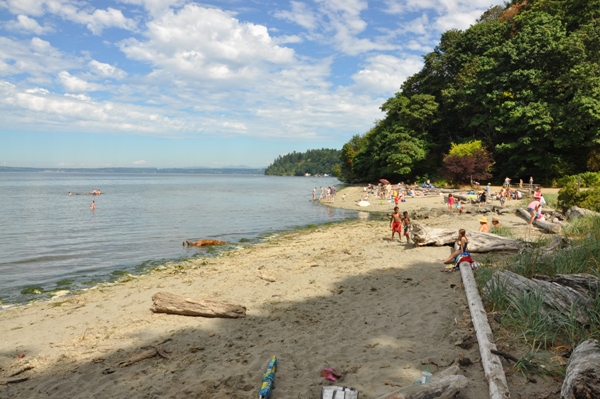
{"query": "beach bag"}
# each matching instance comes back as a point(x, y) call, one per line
point(334, 392)
point(542, 201)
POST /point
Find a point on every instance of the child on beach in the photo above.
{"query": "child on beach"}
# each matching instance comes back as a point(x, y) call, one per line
point(406, 225)
point(395, 223)
point(459, 207)
point(450, 202)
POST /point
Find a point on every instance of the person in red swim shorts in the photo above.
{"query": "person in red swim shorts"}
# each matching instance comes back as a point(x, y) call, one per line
point(396, 223)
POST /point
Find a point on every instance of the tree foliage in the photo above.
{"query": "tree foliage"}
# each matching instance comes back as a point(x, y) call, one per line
point(466, 162)
point(524, 81)
point(323, 161)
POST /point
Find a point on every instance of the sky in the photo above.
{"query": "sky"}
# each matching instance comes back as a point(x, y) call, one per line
point(177, 83)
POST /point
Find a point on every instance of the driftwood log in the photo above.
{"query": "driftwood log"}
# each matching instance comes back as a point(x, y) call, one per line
point(201, 243)
point(582, 380)
point(478, 242)
point(492, 366)
point(556, 298)
point(165, 302)
point(577, 212)
point(546, 226)
point(444, 385)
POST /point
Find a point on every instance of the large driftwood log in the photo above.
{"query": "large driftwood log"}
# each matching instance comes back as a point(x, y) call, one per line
point(556, 298)
point(577, 212)
point(546, 226)
point(582, 380)
point(478, 242)
point(586, 284)
point(165, 302)
point(444, 385)
point(492, 366)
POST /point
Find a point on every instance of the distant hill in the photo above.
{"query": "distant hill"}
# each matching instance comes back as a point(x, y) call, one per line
point(314, 162)
point(239, 170)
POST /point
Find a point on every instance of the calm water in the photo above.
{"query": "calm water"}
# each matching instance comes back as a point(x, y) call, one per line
point(48, 237)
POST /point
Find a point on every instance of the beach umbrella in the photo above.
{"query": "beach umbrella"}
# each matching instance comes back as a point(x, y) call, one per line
point(384, 181)
point(268, 380)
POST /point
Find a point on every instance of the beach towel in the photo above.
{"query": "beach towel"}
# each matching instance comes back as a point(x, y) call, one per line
point(334, 392)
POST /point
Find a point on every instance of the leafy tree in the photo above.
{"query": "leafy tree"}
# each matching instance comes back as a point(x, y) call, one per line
point(314, 162)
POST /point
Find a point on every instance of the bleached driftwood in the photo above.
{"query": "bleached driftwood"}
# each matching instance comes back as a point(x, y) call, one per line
point(546, 226)
point(165, 302)
point(478, 242)
point(576, 212)
point(444, 385)
point(582, 379)
point(492, 366)
point(556, 297)
point(146, 354)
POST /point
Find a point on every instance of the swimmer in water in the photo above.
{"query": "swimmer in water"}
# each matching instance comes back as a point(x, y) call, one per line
point(93, 205)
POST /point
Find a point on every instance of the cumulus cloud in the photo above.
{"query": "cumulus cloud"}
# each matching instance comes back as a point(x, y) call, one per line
point(25, 24)
point(207, 44)
point(385, 73)
point(140, 162)
point(300, 14)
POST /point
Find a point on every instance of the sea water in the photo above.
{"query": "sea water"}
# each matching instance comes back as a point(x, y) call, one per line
point(53, 240)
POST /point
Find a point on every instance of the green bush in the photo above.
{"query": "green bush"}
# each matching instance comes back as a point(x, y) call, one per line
point(570, 195)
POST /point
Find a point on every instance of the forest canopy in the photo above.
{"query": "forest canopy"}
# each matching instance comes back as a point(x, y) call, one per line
point(314, 162)
point(524, 81)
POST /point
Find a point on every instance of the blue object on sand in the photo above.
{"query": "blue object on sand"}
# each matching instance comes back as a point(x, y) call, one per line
point(268, 380)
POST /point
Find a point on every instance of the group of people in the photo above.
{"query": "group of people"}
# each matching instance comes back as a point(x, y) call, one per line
point(327, 194)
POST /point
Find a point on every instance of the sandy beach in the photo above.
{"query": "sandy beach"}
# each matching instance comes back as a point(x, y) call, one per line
point(344, 296)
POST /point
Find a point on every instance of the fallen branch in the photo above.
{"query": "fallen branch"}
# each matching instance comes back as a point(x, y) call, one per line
point(13, 381)
point(505, 355)
point(165, 302)
point(546, 226)
point(582, 379)
point(478, 242)
point(147, 354)
point(444, 385)
point(492, 366)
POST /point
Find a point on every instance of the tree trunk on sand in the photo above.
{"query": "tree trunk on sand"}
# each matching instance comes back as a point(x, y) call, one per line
point(586, 284)
point(478, 242)
point(443, 386)
point(492, 366)
point(546, 226)
point(576, 212)
point(582, 380)
point(165, 302)
point(555, 297)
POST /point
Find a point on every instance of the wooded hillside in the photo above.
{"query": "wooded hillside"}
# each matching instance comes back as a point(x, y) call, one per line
point(524, 80)
point(323, 161)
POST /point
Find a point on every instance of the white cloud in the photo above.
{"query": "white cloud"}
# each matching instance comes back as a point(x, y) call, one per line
point(72, 10)
point(300, 14)
point(80, 97)
point(385, 73)
point(140, 162)
point(106, 70)
point(207, 44)
point(35, 57)
point(26, 24)
point(287, 39)
point(73, 83)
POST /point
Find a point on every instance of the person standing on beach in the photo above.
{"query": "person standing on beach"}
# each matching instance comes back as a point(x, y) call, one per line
point(533, 209)
point(321, 193)
point(93, 205)
point(314, 193)
point(406, 226)
point(396, 223)
point(333, 191)
point(450, 202)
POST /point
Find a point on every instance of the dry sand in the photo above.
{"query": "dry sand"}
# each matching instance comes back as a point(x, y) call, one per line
point(344, 297)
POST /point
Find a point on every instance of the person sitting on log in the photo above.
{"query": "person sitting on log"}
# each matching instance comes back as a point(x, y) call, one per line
point(462, 247)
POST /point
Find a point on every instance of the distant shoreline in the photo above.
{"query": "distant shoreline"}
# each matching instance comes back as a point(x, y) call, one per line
point(198, 170)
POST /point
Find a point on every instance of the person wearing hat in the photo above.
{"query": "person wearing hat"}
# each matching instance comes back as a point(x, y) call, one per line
point(495, 222)
point(484, 227)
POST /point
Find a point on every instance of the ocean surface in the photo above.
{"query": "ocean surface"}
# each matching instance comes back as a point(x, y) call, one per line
point(52, 240)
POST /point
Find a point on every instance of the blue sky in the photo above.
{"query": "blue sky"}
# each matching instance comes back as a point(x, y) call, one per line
point(176, 83)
